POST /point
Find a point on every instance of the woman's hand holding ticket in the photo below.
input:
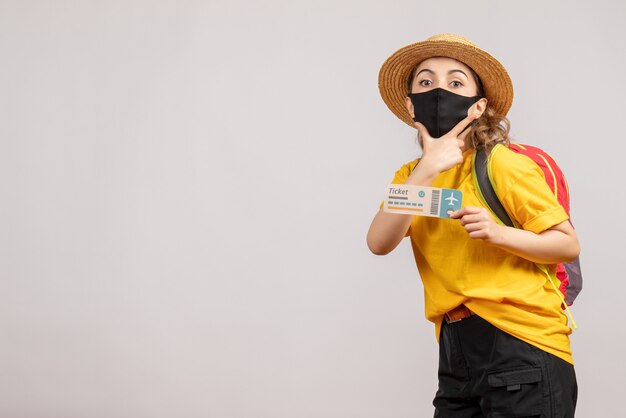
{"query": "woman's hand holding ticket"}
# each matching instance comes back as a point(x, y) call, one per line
point(479, 224)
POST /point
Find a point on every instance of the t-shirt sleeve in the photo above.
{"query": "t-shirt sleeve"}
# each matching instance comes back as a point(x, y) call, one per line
point(524, 193)
point(399, 178)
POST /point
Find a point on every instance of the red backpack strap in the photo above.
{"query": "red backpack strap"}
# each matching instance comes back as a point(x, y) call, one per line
point(552, 173)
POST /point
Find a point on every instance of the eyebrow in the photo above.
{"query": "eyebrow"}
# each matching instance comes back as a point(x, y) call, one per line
point(449, 72)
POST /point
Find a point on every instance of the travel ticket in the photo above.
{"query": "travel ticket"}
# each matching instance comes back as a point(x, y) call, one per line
point(422, 201)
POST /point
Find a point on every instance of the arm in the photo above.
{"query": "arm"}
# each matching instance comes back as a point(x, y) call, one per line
point(388, 229)
point(554, 245)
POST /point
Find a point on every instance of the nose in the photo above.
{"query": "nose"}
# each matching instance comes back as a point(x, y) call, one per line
point(441, 84)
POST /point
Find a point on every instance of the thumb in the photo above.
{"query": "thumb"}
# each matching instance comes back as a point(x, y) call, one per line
point(424, 135)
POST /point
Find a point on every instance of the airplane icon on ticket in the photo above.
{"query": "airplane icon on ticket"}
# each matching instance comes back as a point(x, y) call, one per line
point(451, 199)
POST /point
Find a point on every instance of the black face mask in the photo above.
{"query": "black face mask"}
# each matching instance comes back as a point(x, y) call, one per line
point(439, 110)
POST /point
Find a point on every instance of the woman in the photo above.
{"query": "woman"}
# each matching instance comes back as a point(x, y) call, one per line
point(504, 340)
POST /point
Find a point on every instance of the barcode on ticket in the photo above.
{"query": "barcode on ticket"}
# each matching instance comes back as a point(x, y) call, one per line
point(434, 202)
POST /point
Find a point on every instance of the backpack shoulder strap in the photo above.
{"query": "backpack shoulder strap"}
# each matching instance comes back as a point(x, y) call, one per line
point(485, 189)
point(551, 171)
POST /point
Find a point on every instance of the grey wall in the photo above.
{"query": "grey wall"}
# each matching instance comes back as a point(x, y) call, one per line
point(185, 190)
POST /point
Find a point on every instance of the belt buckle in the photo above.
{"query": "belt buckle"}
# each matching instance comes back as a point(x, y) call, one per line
point(451, 321)
point(459, 313)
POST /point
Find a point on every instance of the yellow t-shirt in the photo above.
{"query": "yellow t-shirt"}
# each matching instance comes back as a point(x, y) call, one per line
point(510, 292)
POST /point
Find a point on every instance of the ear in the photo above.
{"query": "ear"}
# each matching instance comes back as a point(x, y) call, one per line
point(409, 107)
point(478, 107)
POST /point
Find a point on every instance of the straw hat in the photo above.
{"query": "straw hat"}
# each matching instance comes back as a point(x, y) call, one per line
point(394, 74)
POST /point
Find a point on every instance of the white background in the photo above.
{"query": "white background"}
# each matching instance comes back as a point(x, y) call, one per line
point(186, 187)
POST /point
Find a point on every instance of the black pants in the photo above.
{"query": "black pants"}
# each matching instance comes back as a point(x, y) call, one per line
point(485, 372)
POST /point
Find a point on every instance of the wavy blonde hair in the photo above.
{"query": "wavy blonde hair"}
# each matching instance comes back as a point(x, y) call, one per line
point(488, 130)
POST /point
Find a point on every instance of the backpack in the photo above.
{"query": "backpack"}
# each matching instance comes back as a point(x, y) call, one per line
point(568, 274)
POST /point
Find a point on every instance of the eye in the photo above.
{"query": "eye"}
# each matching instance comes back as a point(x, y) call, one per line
point(421, 83)
point(458, 83)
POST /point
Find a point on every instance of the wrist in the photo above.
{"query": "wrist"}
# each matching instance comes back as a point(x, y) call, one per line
point(424, 174)
point(499, 238)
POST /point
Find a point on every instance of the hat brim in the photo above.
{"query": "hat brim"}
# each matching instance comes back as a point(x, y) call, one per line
point(395, 71)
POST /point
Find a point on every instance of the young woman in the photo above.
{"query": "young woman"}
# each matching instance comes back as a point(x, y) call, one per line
point(503, 337)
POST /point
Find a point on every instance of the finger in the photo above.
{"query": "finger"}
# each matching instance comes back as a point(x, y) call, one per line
point(462, 125)
point(457, 213)
point(462, 212)
point(470, 219)
point(470, 210)
point(476, 226)
point(466, 210)
point(424, 134)
point(478, 234)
